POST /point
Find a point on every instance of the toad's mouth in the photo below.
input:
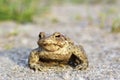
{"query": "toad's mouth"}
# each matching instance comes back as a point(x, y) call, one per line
point(50, 44)
point(51, 47)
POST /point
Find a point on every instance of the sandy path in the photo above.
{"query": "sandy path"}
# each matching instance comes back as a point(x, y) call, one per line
point(101, 46)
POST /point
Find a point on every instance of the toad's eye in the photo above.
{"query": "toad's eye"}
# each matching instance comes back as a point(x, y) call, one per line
point(57, 36)
point(41, 35)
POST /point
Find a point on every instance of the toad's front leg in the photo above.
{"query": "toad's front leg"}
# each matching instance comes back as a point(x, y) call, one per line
point(33, 61)
point(78, 59)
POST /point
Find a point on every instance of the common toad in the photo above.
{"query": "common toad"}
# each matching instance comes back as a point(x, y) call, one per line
point(57, 50)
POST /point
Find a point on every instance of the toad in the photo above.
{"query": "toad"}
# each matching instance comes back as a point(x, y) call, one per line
point(57, 50)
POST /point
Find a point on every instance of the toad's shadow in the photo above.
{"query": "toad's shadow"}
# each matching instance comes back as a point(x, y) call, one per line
point(17, 55)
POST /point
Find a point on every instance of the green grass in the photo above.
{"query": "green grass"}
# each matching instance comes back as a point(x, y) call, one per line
point(24, 10)
point(77, 1)
point(103, 17)
point(77, 17)
point(91, 1)
point(55, 20)
point(19, 10)
point(8, 46)
point(14, 32)
point(116, 25)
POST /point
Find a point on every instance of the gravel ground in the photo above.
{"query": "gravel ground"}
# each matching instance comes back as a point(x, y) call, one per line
point(101, 46)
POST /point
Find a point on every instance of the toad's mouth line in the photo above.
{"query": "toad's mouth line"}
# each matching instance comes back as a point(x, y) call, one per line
point(51, 44)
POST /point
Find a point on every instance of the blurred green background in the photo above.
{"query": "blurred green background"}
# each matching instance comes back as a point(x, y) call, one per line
point(23, 11)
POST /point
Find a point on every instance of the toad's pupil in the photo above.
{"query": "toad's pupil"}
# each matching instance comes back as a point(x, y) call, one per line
point(39, 36)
